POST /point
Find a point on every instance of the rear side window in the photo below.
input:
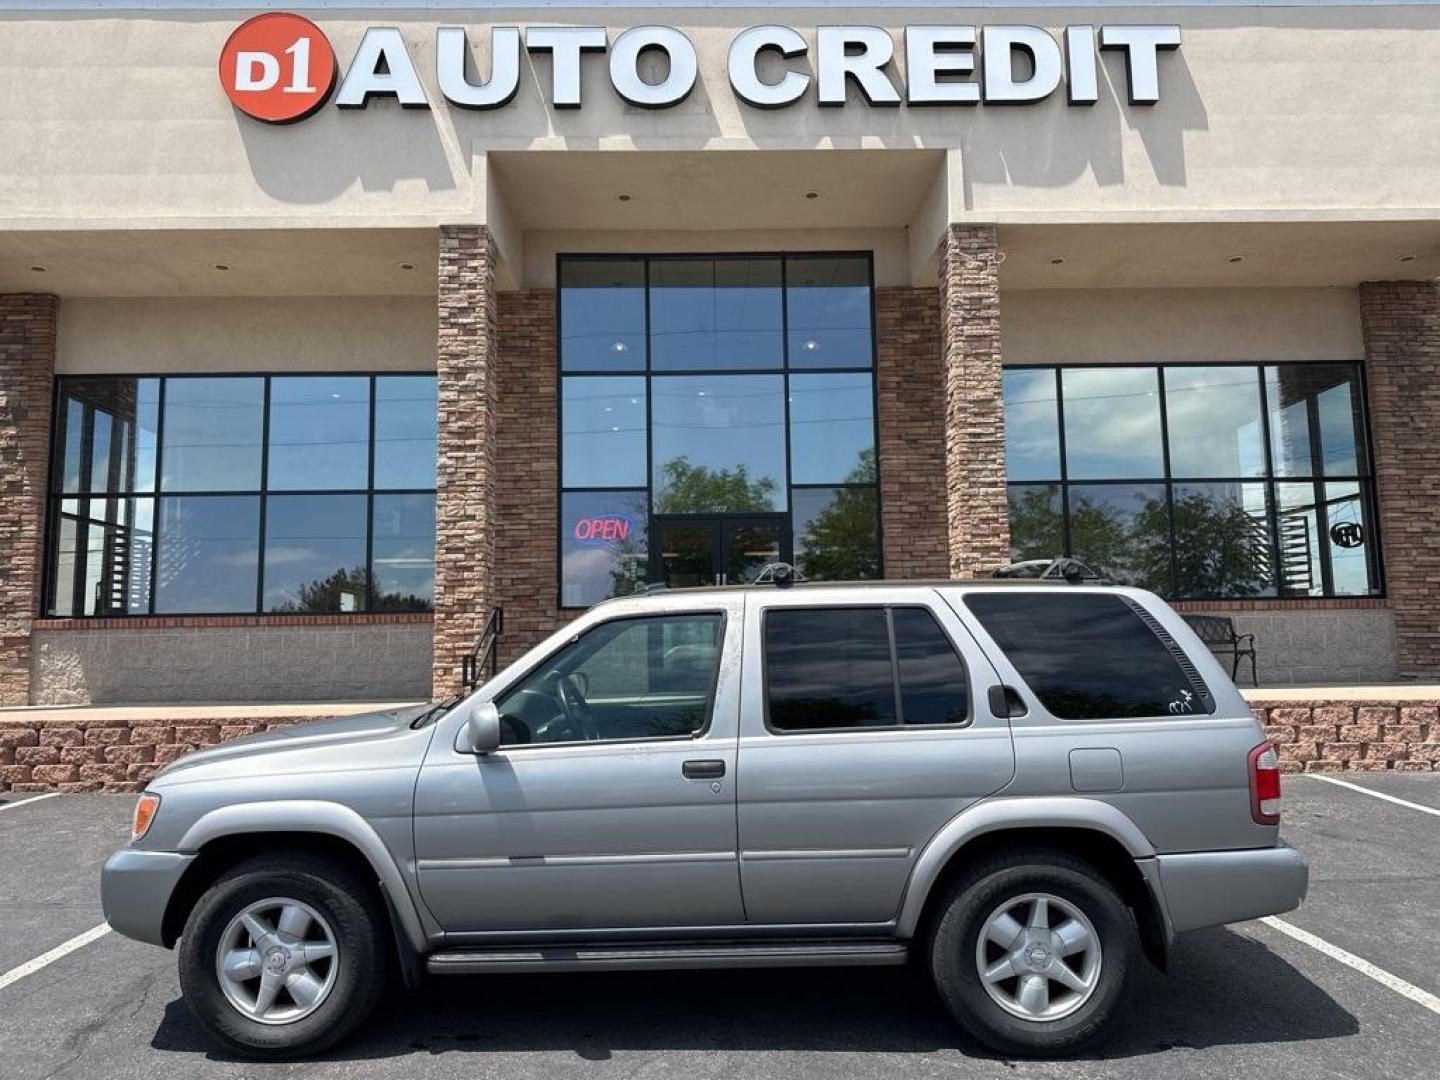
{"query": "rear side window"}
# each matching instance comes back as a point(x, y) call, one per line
point(1089, 656)
point(865, 667)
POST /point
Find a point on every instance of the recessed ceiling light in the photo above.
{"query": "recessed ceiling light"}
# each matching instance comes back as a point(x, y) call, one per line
point(1236, 259)
point(1057, 261)
point(1403, 258)
point(222, 266)
point(407, 266)
point(37, 268)
point(623, 198)
point(812, 194)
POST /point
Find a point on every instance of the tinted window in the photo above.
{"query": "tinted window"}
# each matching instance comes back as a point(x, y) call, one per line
point(602, 315)
point(828, 669)
point(932, 678)
point(603, 549)
point(405, 420)
point(212, 434)
point(1112, 423)
point(1223, 544)
point(319, 433)
point(209, 554)
point(832, 429)
point(1037, 522)
point(715, 313)
point(315, 553)
point(836, 533)
point(828, 311)
point(1213, 415)
point(718, 443)
point(404, 553)
point(603, 420)
point(1032, 425)
point(627, 679)
point(1086, 656)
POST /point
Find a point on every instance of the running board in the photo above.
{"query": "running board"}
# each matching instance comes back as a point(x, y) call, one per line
point(768, 954)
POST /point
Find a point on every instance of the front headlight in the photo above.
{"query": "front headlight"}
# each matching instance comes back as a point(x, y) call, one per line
point(145, 809)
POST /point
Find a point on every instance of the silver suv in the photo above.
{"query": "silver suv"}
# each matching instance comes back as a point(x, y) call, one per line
point(1020, 786)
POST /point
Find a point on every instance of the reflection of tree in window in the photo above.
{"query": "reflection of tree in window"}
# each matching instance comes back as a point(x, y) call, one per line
point(839, 542)
point(1222, 549)
point(345, 590)
point(698, 489)
point(1036, 523)
point(1131, 544)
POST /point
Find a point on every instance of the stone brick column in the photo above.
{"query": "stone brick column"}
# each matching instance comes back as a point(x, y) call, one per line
point(910, 385)
point(27, 370)
point(979, 517)
point(1401, 323)
point(465, 481)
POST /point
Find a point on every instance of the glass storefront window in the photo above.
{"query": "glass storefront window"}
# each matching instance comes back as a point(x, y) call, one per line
point(603, 420)
point(827, 305)
point(1112, 423)
point(602, 315)
point(832, 428)
point(229, 540)
point(713, 314)
point(315, 554)
point(603, 545)
point(718, 443)
point(1191, 500)
point(212, 434)
point(319, 433)
point(745, 436)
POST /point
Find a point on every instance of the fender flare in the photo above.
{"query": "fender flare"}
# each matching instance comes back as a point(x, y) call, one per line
point(993, 815)
point(324, 818)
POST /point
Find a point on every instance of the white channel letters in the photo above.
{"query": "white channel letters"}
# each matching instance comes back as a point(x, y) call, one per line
point(943, 65)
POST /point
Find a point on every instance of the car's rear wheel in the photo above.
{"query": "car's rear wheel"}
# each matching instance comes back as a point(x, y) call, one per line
point(284, 955)
point(1032, 951)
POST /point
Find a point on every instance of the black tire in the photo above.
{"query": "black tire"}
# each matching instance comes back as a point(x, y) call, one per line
point(349, 903)
point(962, 916)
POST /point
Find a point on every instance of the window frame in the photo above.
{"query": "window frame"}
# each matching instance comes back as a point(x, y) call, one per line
point(56, 495)
point(570, 744)
point(649, 372)
point(899, 725)
point(1270, 480)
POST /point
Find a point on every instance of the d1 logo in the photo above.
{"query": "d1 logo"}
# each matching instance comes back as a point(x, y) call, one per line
point(277, 67)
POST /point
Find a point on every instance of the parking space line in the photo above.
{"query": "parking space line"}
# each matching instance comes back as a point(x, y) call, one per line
point(1421, 997)
point(14, 975)
point(1372, 793)
point(27, 802)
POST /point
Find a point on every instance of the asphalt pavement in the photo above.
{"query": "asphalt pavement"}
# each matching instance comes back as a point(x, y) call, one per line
point(1242, 1000)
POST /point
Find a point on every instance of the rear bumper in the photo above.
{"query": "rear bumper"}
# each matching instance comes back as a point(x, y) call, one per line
point(1214, 887)
point(135, 889)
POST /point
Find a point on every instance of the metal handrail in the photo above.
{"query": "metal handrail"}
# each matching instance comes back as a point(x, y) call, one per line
point(472, 674)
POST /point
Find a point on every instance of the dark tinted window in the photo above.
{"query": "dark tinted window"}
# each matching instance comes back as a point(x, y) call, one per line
point(829, 669)
point(932, 678)
point(1087, 656)
point(836, 668)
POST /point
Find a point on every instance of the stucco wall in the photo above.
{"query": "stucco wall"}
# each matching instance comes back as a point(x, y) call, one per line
point(212, 664)
point(145, 335)
point(1265, 107)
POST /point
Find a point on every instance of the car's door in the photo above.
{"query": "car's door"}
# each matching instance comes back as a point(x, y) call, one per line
point(864, 728)
point(611, 802)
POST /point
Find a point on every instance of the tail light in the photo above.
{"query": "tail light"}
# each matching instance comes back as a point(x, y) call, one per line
point(1264, 766)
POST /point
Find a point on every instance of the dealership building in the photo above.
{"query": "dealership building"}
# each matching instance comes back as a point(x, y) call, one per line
point(325, 333)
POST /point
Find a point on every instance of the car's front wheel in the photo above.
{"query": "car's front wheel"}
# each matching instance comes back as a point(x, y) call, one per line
point(1032, 953)
point(284, 955)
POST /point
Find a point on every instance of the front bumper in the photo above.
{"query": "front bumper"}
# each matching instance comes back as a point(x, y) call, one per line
point(135, 889)
point(1210, 888)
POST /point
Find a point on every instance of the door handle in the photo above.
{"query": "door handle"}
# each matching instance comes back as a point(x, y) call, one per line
point(711, 769)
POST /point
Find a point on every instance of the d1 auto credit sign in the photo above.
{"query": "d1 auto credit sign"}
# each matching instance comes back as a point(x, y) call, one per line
point(278, 67)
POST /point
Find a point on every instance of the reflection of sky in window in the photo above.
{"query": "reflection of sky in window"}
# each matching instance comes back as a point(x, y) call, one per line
point(307, 539)
point(602, 315)
point(603, 422)
point(587, 569)
point(832, 424)
point(319, 432)
point(1112, 423)
point(404, 546)
point(406, 415)
point(715, 313)
point(1214, 421)
point(721, 423)
point(1032, 426)
point(1349, 566)
point(212, 434)
point(209, 554)
point(828, 311)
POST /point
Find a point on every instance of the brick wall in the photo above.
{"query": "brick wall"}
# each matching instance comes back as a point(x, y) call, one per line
point(465, 473)
point(527, 491)
point(1361, 736)
point(978, 514)
point(27, 367)
point(910, 385)
point(1401, 324)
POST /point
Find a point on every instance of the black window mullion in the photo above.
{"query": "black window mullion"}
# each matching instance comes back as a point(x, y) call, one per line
point(1272, 490)
point(370, 506)
point(1066, 540)
point(155, 510)
point(264, 498)
point(1169, 480)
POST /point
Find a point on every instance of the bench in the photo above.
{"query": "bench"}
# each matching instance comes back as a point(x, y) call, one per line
point(1218, 632)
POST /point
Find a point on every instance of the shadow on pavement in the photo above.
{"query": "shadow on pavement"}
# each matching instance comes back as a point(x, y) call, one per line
point(1223, 989)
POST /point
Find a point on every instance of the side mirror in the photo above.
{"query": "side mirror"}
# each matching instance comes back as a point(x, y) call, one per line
point(481, 733)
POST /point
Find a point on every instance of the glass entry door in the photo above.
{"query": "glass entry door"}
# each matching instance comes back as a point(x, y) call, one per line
point(727, 550)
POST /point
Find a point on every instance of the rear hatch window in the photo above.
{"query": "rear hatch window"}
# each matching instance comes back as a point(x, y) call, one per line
point(1091, 656)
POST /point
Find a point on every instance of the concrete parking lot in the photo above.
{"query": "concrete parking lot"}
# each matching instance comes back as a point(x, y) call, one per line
point(1245, 1000)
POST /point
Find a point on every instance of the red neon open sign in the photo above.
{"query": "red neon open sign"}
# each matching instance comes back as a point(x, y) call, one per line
point(602, 530)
